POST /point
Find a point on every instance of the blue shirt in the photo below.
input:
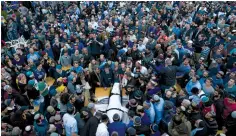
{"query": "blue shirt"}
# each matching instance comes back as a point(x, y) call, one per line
point(119, 127)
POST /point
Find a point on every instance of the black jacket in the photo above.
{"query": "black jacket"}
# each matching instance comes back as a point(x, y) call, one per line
point(90, 128)
point(168, 75)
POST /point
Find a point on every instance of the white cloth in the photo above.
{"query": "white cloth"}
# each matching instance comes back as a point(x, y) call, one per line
point(102, 130)
point(70, 124)
point(143, 70)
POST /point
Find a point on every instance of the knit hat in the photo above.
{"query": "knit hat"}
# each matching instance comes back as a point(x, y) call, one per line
point(31, 83)
point(155, 97)
point(42, 88)
point(205, 99)
point(6, 87)
point(51, 110)
point(43, 53)
point(137, 121)
point(138, 94)
point(154, 127)
point(29, 74)
point(147, 103)
point(91, 105)
point(37, 116)
point(52, 119)
point(233, 114)
point(57, 117)
point(131, 131)
point(7, 102)
point(133, 103)
point(54, 134)
point(16, 131)
point(70, 77)
point(28, 128)
point(58, 67)
point(116, 117)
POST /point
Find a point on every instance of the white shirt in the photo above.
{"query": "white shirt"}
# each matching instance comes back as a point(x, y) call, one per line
point(141, 47)
point(102, 130)
point(70, 124)
point(110, 29)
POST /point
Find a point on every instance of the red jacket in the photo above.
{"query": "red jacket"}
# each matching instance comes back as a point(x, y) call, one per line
point(229, 107)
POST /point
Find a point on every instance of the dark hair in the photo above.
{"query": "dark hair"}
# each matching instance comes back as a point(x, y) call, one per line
point(64, 98)
point(104, 118)
point(195, 90)
point(70, 110)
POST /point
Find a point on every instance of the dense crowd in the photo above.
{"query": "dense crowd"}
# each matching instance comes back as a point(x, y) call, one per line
point(175, 60)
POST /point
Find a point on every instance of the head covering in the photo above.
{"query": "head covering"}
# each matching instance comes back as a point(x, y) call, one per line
point(205, 99)
point(70, 77)
point(137, 121)
point(16, 131)
point(54, 134)
point(31, 82)
point(52, 119)
point(138, 94)
point(91, 105)
point(57, 117)
point(51, 110)
point(131, 131)
point(155, 97)
point(43, 53)
point(190, 41)
point(58, 67)
point(28, 128)
point(233, 114)
point(154, 127)
point(36, 116)
point(133, 103)
point(52, 128)
point(147, 103)
point(7, 102)
point(29, 74)
point(6, 87)
point(116, 117)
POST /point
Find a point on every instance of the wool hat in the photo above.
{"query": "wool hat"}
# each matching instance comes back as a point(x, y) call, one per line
point(41, 86)
point(16, 131)
point(147, 103)
point(28, 128)
point(233, 114)
point(155, 97)
point(31, 82)
point(6, 87)
point(52, 119)
point(205, 99)
point(70, 77)
point(116, 117)
point(133, 103)
point(29, 74)
point(51, 110)
point(58, 67)
point(37, 116)
point(57, 117)
point(138, 94)
point(54, 134)
point(91, 105)
point(137, 121)
point(154, 127)
point(131, 131)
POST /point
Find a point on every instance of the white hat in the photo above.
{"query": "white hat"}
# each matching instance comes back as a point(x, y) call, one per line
point(27, 128)
point(190, 41)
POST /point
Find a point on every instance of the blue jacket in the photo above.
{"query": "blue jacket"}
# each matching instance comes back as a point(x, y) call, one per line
point(119, 127)
point(151, 113)
point(41, 129)
point(191, 85)
point(145, 119)
point(159, 108)
point(216, 81)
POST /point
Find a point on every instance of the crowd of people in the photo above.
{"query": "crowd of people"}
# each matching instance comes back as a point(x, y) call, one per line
point(175, 60)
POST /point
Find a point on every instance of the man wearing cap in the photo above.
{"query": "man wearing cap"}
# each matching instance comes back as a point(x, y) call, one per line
point(140, 129)
point(91, 125)
point(59, 72)
point(117, 126)
point(107, 77)
point(217, 79)
point(40, 125)
point(154, 130)
point(158, 104)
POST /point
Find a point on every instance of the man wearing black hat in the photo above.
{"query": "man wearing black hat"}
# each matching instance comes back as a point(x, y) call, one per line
point(91, 126)
point(117, 126)
point(107, 77)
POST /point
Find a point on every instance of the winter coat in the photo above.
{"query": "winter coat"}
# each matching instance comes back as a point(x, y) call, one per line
point(183, 129)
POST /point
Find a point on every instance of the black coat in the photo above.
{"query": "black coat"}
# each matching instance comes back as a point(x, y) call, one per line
point(93, 81)
point(143, 129)
point(90, 128)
